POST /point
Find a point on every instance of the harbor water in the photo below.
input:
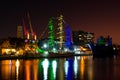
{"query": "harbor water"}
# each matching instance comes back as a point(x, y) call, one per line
point(76, 68)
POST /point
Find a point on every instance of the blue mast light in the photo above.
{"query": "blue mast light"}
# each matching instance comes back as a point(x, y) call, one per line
point(68, 37)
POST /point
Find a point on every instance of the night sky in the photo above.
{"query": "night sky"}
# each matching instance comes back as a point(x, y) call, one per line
point(99, 17)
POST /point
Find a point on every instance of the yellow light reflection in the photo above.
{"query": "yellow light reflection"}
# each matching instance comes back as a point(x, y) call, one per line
point(17, 64)
point(35, 69)
point(6, 69)
point(28, 70)
point(82, 67)
point(61, 70)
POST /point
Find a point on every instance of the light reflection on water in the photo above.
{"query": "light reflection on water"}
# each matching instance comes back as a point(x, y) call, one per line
point(17, 64)
point(54, 66)
point(77, 68)
point(45, 65)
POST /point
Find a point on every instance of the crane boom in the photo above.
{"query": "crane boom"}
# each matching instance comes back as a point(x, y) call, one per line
point(28, 15)
point(24, 27)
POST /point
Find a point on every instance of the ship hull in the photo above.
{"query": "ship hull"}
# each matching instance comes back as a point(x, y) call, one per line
point(103, 51)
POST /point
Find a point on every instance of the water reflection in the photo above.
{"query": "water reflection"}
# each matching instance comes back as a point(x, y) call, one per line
point(27, 66)
point(49, 69)
point(35, 69)
point(43, 69)
point(54, 66)
point(66, 65)
point(82, 68)
point(69, 70)
point(75, 67)
point(30, 69)
point(45, 65)
point(60, 72)
point(17, 64)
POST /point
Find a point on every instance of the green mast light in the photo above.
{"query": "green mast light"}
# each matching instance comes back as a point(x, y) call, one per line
point(51, 34)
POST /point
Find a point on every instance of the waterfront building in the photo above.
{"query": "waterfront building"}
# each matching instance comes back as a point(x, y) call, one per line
point(82, 37)
point(19, 32)
point(104, 40)
point(12, 46)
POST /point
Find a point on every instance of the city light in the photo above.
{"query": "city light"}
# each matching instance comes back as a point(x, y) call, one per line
point(45, 45)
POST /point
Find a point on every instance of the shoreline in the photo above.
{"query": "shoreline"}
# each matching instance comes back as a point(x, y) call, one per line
point(39, 56)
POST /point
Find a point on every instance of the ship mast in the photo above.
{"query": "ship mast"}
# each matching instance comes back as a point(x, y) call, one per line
point(68, 37)
point(60, 28)
point(51, 33)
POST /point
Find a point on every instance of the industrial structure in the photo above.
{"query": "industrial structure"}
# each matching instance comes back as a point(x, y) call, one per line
point(28, 33)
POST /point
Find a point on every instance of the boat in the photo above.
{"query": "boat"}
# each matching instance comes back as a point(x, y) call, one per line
point(103, 48)
point(102, 51)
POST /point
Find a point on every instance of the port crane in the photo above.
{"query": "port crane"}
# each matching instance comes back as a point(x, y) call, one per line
point(26, 33)
point(33, 35)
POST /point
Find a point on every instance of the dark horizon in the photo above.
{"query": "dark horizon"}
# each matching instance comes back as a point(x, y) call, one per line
point(98, 17)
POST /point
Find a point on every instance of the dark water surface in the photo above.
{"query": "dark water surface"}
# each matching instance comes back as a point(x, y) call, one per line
point(77, 68)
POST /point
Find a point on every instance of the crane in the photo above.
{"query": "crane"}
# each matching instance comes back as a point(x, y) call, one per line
point(26, 34)
point(33, 35)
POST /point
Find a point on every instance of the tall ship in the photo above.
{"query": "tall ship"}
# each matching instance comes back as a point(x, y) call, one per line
point(59, 41)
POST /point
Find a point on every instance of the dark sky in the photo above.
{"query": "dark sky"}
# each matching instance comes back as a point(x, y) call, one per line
point(99, 17)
